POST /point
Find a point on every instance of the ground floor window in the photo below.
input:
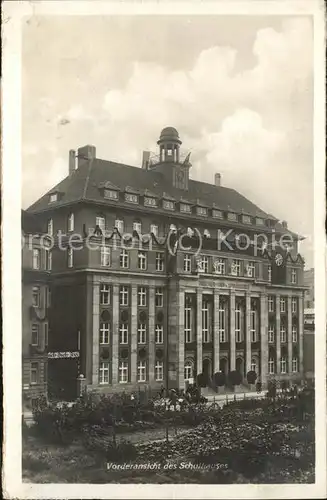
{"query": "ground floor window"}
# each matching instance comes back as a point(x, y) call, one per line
point(159, 370)
point(271, 366)
point(141, 371)
point(283, 365)
point(188, 370)
point(294, 365)
point(34, 377)
point(104, 373)
point(123, 372)
point(254, 366)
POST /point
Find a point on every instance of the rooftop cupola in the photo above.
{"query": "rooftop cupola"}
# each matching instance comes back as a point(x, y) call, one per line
point(169, 145)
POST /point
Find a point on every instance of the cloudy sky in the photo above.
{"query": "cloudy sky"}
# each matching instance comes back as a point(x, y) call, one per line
point(238, 89)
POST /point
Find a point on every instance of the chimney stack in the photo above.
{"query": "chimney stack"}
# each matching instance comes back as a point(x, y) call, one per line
point(72, 161)
point(86, 153)
point(145, 160)
point(284, 224)
point(217, 179)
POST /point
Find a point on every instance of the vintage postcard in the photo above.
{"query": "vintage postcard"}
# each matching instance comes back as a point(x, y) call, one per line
point(163, 249)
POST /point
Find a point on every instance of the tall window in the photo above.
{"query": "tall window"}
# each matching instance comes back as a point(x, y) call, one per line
point(294, 333)
point(141, 333)
point(282, 305)
point(159, 297)
point(158, 370)
point(123, 259)
point(104, 295)
point(205, 321)
point(101, 222)
point(123, 333)
point(271, 304)
point(188, 321)
point(35, 334)
point(104, 372)
point(294, 305)
point(46, 334)
point(222, 322)
point(187, 263)
point(236, 267)
point(105, 256)
point(271, 365)
point(254, 366)
point(70, 257)
point(159, 334)
point(141, 294)
point(159, 261)
point(282, 333)
point(123, 296)
point(70, 222)
point(48, 260)
point(219, 266)
point(250, 270)
point(123, 372)
point(154, 229)
point(269, 273)
point(119, 224)
point(34, 375)
point(36, 296)
point(50, 227)
point(36, 258)
point(293, 276)
point(104, 333)
point(294, 365)
point(142, 261)
point(137, 226)
point(238, 322)
point(271, 334)
point(188, 370)
point(283, 364)
point(203, 264)
point(141, 371)
point(253, 324)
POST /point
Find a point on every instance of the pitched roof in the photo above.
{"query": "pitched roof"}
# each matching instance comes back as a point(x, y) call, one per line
point(83, 184)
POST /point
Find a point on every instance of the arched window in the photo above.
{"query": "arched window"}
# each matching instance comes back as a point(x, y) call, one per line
point(206, 233)
point(254, 365)
point(223, 365)
point(240, 365)
point(283, 364)
point(137, 226)
point(294, 364)
point(271, 365)
point(188, 370)
point(172, 228)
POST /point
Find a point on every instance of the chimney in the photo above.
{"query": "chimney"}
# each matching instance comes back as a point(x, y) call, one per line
point(71, 161)
point(86, 153)
point(217, 179)
point(145, 160)
point(284, 224)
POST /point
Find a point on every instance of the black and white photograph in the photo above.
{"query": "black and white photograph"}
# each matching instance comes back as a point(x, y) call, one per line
point(164, 196)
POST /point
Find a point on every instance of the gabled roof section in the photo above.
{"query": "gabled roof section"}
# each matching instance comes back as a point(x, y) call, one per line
point(83, 184)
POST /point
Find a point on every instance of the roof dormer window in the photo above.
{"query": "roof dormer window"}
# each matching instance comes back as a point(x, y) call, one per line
point(201, 211)
point(150, 202)
point(168, 205)
point(53, 197)
point(184, 207)
point(232, 216)
point(131, 198)
point(259, 221)
point(218, 214)
point(246, 219)
point(110, 194)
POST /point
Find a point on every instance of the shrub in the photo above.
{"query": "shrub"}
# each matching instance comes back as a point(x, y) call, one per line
point(234, 378)
point(220, 379)
point(121, 452)
point(251, 377)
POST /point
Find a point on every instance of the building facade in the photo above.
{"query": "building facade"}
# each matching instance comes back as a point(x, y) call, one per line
point(35, 305)
point(157, 278)
point(309, 325)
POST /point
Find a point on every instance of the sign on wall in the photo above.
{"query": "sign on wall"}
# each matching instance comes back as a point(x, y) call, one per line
point(60, 355)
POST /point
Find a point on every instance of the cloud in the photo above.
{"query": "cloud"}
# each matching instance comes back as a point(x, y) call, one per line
point(253, 125)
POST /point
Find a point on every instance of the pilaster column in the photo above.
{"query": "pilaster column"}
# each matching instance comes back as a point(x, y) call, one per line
point(247, 330)
point(95, 333)
point(133, 334)
point(181, 338)
point(264, 338)
point(289, 335)
point(151, 334)
point(278, 334)
point(301, 332)
point(199, 330)
point(115, 333)
point(215, 331)
point(232, 330)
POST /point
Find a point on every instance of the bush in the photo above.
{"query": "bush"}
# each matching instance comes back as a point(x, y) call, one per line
point(251, 377)
point(123, 451)
point(234, 378)
point(220, 379)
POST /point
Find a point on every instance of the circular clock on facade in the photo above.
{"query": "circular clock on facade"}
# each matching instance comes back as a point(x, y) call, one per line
point(279, 259)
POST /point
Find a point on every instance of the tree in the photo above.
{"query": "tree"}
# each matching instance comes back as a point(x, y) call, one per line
point(220, 379)
point(201, 380)
point(234, 378)
point(251, 377)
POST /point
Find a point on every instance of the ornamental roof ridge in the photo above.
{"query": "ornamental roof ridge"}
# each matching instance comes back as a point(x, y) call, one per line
point(108, 185)
point(201, 203)
point(167, 196)
point(147, 192)
point(130, 189)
